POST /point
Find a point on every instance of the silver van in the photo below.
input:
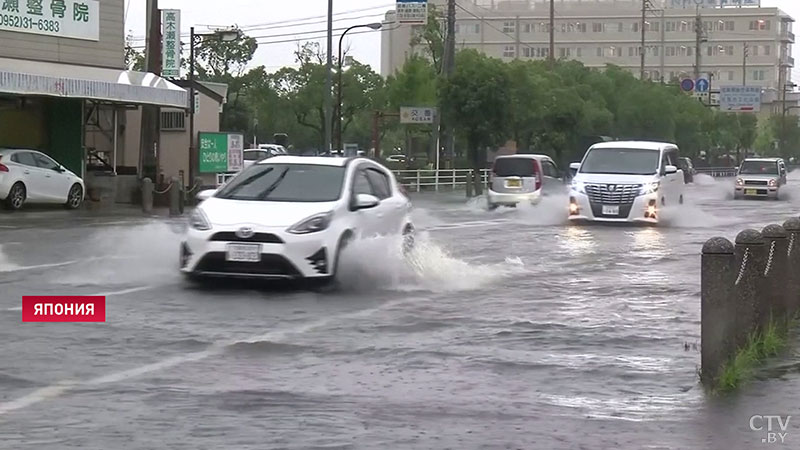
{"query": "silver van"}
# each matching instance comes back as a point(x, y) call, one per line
point(522, 179)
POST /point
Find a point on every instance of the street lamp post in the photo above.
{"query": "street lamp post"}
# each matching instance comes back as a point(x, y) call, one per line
point(194, 40)
point(375, 26)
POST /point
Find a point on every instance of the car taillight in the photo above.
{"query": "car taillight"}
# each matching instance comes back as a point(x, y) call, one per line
point(537, 170)
point(3, 168)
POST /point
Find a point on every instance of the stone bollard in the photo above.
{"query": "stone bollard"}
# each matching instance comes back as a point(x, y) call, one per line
point(470, 184)
point(774, 301)
point(718, 317)
point(174, 197)
point(147, 195)
point(751, 259)
point(792, 227)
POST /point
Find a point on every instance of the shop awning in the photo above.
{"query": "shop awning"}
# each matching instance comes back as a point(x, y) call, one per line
point(21, 77)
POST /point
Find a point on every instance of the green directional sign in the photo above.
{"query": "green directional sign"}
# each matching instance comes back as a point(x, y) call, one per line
point(220, 152)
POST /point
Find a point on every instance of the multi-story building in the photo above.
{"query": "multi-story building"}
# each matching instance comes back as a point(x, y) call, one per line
point(739, 43)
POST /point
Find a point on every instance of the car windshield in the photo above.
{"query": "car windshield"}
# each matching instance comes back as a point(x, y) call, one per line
point(621, 161)
point(286, 183)
point(759, 168)
point(514, 167)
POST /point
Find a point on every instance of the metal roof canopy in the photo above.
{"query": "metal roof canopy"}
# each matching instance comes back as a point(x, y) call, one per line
point(24, 77)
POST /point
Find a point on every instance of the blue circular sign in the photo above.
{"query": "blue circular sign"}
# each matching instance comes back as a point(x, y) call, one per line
point(687, 84)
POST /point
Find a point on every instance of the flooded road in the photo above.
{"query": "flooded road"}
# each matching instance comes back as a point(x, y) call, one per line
point(504, 329)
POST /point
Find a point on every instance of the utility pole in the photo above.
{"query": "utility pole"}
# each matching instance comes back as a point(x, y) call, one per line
point(449, 70)
point(663, 41)
point(329, 84)
point(698, 30)
point(552, 54)
point(148, 146)
point(745, 54)
point(643, 49)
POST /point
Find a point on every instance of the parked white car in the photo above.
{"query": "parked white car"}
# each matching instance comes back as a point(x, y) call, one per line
point(289, 217)
point(29, 176)
point(264, 151)
point(626, 182)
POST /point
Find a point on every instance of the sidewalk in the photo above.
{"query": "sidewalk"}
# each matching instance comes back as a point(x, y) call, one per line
point(45, 216)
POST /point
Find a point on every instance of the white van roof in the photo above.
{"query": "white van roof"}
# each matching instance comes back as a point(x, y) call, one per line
point(640, 145)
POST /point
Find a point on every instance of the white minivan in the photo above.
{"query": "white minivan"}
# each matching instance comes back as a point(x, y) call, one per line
point(626, 182)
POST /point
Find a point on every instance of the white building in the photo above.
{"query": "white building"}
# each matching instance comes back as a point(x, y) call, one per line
point(601, 32)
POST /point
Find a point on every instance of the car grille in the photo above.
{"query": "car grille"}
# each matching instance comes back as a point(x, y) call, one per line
point(755, 183)
point(612, 194)
point(624, 211)
point(270, 265)
point(230, 236)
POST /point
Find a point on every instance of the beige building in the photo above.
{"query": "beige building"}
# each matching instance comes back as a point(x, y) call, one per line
point(64, 88)
point(173, 155)
point(601, 32)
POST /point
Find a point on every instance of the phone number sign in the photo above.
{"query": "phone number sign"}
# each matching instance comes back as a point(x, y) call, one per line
point(221, 152)
point(75, 19)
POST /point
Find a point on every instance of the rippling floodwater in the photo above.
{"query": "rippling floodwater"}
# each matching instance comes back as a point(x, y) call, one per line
point(505, 329)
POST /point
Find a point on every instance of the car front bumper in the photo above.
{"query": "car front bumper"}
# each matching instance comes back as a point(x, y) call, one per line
point(756, 191)
point(282, 255)
point(644, 209)
point(511, 198)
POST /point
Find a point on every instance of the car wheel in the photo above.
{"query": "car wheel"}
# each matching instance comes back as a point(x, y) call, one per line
point(75, 197)
point(16, 196)
point(330, 283)
point(408, 239)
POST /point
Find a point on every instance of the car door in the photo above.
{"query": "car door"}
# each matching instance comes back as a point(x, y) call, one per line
point(367, 222)
point(32, 176)
point(782, 172)
point(391, 211)
point(56, 183)
point(551, 177)
point(674, 181)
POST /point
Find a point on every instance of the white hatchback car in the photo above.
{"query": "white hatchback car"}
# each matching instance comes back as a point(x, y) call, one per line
point(626, 182)
point(289, 217)
point(31, 176)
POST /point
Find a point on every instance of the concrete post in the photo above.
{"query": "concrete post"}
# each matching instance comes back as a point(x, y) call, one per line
point(470, 183)
point(750, 262)
point(147, 195)
point(792, 285)
point(182, 196)
point(718, 317)
point(774, 301)
point(174, 197)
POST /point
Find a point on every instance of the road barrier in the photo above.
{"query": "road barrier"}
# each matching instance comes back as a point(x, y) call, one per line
point(744, 287)
point(424, 180)
point(717, 172)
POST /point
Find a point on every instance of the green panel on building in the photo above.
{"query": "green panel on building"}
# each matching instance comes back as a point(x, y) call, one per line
point(65, 126)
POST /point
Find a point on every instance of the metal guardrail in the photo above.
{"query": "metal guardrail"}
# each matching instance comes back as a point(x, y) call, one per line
point(425, 179)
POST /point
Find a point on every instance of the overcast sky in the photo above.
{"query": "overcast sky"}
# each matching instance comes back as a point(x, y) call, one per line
point(273, 21)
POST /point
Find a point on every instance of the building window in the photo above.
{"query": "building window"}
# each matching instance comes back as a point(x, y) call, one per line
point(767, 50)
point(458, 29)
point(509, 51)
point(630, 51)
point(685, 26)
point(173, 120)
point(599, 52)
point(670, 51)
point(509, 27)
point(730, 25)
point(578, 52)
point(635, 27)
point(564, 52)
point(597, 27)
point(620, 27)
point(760, 25)
point(526, 52)
point(581, 27)
point(758, 75)
point(670, 26)
point(528, 28)
point(730, 75)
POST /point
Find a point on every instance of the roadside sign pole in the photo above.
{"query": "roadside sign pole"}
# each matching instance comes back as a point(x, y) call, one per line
point(436, 130)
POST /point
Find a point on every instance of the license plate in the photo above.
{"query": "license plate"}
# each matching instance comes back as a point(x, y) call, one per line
point(243, 253)
point(610, 210)
point(514, 183)
point(751, 192)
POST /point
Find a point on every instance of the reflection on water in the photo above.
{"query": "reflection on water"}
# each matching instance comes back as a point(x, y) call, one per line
point(577, 241)
point(649, 243)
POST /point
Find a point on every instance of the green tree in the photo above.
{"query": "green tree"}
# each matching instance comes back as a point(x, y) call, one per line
point(431, 38)
point(134, 59)
point(477, 98)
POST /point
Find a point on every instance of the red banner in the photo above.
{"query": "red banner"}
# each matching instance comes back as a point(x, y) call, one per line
point(63, 309)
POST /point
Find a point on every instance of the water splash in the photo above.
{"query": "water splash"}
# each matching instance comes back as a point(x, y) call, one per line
point(5, 264)
point(379, 263)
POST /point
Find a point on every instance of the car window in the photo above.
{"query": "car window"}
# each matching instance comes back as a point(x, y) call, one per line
point(361, 184)
point(380, 183)
point(515, 167)
point(44, 162)
point(286, 183)
point(24, 158)
point(758, 168)
point(252, 156)
point(621, 161)
point(549, 169)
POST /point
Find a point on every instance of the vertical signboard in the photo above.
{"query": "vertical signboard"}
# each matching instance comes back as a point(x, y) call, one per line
point(740, 98)
point(171, 43)
point(220, 152)
point(412, 12)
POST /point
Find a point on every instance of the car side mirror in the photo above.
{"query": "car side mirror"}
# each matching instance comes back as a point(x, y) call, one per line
point(366, 201)
point(206, 194)
point(59, 169)
point(575, 166)
point(669, 170)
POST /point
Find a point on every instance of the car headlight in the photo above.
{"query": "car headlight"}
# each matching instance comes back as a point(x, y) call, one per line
point(739, 182)
point(649, 188)
point(313, 224)
point(579, 186)
point(199, 221)
point(773, 182)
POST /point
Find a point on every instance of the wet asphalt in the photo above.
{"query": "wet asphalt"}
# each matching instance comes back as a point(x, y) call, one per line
point(504, 329)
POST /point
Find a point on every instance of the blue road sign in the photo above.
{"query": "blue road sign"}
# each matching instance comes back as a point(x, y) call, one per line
point(687, 84)
point(701, 85)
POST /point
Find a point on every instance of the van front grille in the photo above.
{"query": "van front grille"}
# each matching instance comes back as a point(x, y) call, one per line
point(613, 194)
